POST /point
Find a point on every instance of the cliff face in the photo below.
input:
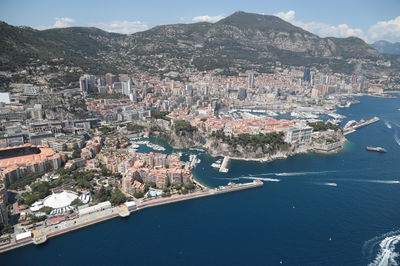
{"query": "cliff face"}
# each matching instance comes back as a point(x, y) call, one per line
point(186, 140)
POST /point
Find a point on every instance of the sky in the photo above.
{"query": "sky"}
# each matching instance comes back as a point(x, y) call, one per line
point(370, 20)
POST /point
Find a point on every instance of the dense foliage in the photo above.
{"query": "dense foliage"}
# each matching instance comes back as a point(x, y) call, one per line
point(323, 126)
point(117, 197)
point(183, 125)
point(268, 142)
point(26, 180)
point(39, 191)
point(134, 128)
point(160, 115)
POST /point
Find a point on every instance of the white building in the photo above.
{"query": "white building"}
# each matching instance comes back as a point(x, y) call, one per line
point(5, 97)
point(299, 136)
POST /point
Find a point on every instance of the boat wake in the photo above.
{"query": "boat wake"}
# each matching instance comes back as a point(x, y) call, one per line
point(387, 124)
point(261, 178)
point(331, 184)
point(396, 138)
point(385, 181)
point(250, 178)
point(394, 123)
point(304, 173)
point(386, 254)
point(390, 182)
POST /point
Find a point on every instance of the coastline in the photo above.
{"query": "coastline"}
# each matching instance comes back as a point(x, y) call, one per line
point(141, 205)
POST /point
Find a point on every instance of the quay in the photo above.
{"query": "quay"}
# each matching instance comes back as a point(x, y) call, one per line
point(360, 124)
point(224, 166)
point(39, 236)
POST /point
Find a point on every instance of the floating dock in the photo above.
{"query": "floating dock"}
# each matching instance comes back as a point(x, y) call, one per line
point(224, 166)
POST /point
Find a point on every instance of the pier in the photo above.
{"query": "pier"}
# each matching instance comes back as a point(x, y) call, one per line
point(224, 166)
point(360, 124)
point(41, 235)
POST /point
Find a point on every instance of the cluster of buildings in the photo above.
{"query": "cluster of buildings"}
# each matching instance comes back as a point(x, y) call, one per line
point(138, 169)
point(17, 161)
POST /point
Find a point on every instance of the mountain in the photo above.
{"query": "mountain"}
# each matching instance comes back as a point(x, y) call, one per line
point(386, 47)
point(236, 43)
point(80, 46)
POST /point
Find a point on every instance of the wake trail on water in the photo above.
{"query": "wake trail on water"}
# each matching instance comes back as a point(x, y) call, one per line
point(394, 123)
point(390, 182)
point(325, 184)
point(386, 254)
point(295, 173)
point(396, 138)
point(387, 124)
point(309, 173)
point(261, 178)
point(250, 178)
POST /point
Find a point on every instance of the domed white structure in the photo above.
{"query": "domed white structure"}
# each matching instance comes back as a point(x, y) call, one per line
point(60, 200)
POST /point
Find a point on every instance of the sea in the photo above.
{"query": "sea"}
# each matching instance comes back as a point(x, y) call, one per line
point(341, 209)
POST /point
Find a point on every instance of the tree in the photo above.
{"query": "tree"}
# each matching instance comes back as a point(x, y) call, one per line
point(134, 128)
point(160, 115)
point(138, 195)
point(76, 153)
point(41, 189)
point(26, 180)
point(183, 125)
point(7, 229)
point(77, 202)
point(117, 197)
point(324, 126)
point(103, 194)
point(46, 209)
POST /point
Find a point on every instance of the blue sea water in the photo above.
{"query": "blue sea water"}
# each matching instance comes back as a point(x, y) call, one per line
point(300, 220)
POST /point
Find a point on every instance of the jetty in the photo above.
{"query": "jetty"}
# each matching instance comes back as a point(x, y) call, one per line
point(224, 166)
point(41, 235)
point(360, 124)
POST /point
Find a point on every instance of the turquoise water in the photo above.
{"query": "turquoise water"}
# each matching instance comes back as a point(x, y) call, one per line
point(300, 220)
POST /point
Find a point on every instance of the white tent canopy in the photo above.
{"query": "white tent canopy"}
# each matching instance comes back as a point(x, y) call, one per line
point(59, 200)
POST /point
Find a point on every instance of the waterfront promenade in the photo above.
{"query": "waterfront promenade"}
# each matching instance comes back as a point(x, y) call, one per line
point(41, 235)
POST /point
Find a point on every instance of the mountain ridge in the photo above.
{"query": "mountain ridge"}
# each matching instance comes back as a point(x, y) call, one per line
point(242, 41)
point(387, 47)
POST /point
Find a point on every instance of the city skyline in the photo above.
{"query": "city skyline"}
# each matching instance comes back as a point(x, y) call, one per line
point(369, 20)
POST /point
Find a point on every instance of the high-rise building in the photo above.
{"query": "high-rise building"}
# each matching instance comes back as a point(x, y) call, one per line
point(250, 80)
point(307, 74)
point(87, 83)
point(126, 87)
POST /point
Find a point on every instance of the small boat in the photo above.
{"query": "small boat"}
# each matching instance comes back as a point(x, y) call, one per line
point(377, 149)
point(216, 165)
point(332, 184)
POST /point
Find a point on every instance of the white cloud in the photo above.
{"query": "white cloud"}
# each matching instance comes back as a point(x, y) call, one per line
point(207, 18)
point(326, 30)
point(321, 29)
point(58, 23)
point(124, 26)
point(62, 22)
point(385, 30)
point(288, 16)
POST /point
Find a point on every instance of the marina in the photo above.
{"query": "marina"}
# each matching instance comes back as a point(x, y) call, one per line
point(136, 144)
